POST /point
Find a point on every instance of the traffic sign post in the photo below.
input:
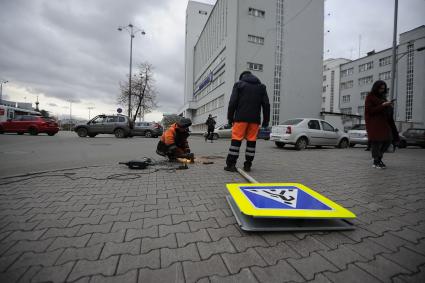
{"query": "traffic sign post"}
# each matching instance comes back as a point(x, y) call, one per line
point(285, 207)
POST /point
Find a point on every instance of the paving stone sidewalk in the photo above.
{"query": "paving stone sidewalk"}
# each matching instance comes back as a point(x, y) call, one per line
point(112, 224)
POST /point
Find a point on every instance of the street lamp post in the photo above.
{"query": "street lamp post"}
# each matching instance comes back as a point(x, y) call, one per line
point(1, 89)
point(132, 30)
point(90, 108)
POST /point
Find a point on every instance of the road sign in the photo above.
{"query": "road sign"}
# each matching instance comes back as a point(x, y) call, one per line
point(284, 200)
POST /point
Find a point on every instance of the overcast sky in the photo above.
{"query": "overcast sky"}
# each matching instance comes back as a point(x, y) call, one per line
point(71, 50)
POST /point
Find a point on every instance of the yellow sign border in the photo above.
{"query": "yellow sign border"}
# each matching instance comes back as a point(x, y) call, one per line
point(247, 208)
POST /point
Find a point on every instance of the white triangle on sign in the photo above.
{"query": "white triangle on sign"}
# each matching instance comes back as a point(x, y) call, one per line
point(285, 196)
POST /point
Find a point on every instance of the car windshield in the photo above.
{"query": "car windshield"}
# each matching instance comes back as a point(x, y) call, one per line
point(292, 122)
point(359, 127)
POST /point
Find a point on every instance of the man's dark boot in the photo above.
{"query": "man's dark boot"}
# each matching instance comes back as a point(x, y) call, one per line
point(247, 166)
point(230, 168)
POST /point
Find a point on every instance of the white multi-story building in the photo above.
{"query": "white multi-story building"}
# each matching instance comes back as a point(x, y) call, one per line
point(280, 41)
point(358, 76)
point(331, 82)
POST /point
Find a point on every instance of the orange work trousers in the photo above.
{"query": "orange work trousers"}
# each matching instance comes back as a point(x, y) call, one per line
point(241, 130)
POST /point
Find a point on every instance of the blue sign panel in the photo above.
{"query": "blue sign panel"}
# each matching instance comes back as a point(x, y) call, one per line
point(282, 197)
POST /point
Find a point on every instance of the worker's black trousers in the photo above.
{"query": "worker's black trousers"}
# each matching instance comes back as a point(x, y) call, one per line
point(233, 154)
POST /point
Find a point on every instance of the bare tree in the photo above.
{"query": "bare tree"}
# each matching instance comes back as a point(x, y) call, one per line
point(143, 92)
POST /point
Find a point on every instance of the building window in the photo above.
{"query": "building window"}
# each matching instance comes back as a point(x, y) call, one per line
point(360, 110)
point(366, 66)
point(255, 66)
point(256, 39)
point(346, 85)
point(256, 12)
point(323, 99)
point(385, 75)
point(385, 61)
point(409, 83)
point(366, 80)
point(346, 98)
point(203, 12)
point(346, 110)
point(347, 72)
point(363, 95)
point(324, 89)
point(324, 78)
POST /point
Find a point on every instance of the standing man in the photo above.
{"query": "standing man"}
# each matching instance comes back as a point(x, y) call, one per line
point(249, 95)
point(211, 125)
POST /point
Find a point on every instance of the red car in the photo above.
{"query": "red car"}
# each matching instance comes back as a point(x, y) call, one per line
point(29, 124)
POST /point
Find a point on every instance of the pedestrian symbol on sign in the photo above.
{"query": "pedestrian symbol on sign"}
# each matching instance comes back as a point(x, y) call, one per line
point(285, 196)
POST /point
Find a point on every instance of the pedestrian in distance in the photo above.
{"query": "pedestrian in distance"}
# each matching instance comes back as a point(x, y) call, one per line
point(210, 126)
point(248, 98)
point(173, 142)
point(378, 123)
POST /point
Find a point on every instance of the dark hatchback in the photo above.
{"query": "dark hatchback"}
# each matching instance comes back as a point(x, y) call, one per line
point(413, 137)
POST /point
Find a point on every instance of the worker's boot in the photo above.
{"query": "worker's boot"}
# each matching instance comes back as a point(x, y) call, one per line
point(247, 166)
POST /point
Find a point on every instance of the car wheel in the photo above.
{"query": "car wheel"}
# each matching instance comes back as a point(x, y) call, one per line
point(266, 139)
point(343, 143)
point(20, 133)
point(51, 134)
point(402, 144)
point(148, 134)
point(301, 143)
point(352, 144)
point(33, 131)
point(119, 133)
point(1, 130)
point(279, 144)
point(82, 132)
point(92, 135)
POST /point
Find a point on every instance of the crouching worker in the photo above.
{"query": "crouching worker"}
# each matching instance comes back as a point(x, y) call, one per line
point(173, 142)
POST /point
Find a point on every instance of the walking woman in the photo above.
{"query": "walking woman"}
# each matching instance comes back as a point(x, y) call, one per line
point(378, 126)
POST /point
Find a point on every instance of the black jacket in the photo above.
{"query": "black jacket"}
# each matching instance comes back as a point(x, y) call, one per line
point(210, 123)
point(249, 95)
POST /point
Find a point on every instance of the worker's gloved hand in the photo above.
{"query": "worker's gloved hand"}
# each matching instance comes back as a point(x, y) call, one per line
point(187, 150)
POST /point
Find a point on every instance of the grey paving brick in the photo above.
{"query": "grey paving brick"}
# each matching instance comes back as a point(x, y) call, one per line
point(203, 224)
point(53, 273)
point(306, 246)
point(222, 246)
point(53, 223)
point(84, 268)
point(173, 273)
point(149, 244)
point(417, 247)
point(95, 207)
point(142, 215)
point(7, 260)
point(121, 204)
point(29, 274)
point(25, 235)
point(129, 277)
point(169, 229)
point(84, 220)
point(132, 247)
point(30, 246)
point(412, 278)
point(58, 232)
point(30, 258)
point(195, 270)
point(342, 256)
point(76, 214)
point(109, 211)
point(116, 237)
point(276, 238)
point(64, 242)
point(409, 234)
point(235, 262)
point(244, 276)
point(69, 208)
point(352, 274)
point(273, 254)
point(368, 249)
point(22, 226)
point(390, 241)
point(311, 265)
point(149, 222)
point(169, 256)
point(281, 272)
point(217, 234)
point(407, 259)
point(185, 217)
point(359, 234)
point(114, 218)
point(96, 228)
point(136, 224)
point(191, 209)
point(185, 238)
point(73, 254)
point(382, 268)
point(171, 211)
point(149, 260)
point(141, 233)
point(243, 243)
point(131, 210)
point(12, 275)
point(211, 214)
point(333, 239)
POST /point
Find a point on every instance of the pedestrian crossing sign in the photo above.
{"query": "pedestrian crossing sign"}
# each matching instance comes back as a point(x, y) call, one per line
point(287, 200)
